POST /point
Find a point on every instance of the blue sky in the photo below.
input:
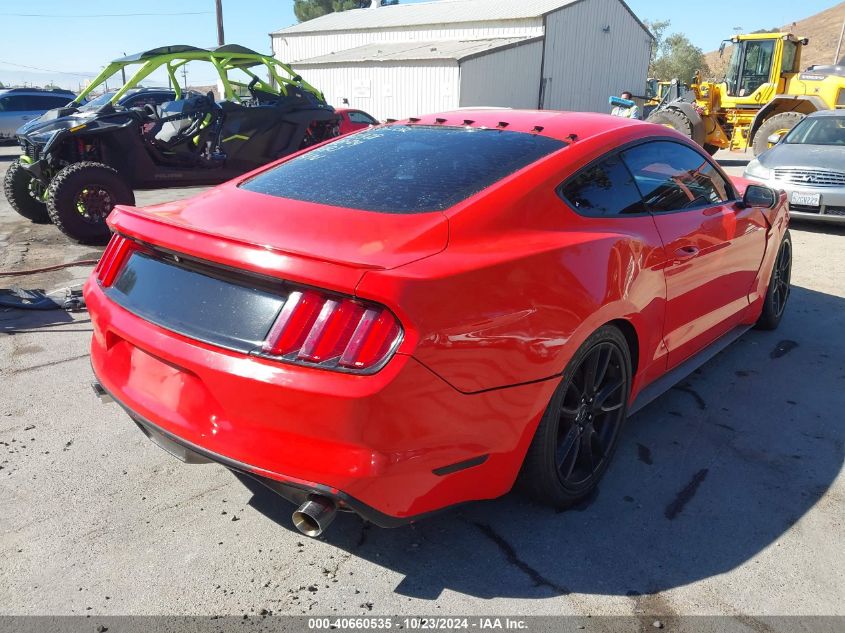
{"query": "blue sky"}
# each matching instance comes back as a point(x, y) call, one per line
point(66, 42)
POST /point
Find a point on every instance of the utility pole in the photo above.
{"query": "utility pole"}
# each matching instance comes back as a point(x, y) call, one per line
point(185, 78)
point(839, 46)
point(220, 39)
point(123, 71)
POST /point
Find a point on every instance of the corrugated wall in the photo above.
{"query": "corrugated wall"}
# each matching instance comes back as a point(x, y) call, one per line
point(584, 65)
point(292, 48)
point(510, 77)
point(397, 90)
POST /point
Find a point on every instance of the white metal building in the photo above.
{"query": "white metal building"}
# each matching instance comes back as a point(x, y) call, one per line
point(408, 59)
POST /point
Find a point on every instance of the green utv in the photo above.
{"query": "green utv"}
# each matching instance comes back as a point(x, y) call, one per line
point(78, 162)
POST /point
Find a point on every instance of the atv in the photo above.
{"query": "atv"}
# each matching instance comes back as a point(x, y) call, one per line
point(78, 163)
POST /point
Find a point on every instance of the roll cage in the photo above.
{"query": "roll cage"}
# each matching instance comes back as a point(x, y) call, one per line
point(225, 59)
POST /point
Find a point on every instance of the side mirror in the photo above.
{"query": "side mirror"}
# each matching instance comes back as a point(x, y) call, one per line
point(759, 196)
point(774, 139)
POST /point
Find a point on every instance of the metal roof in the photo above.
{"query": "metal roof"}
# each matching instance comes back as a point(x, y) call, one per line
point(176, 49)
point(456, 50)
point(161, 50)
point(438, 12)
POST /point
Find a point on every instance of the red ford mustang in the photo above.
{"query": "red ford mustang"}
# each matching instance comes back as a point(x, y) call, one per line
point(485, 305)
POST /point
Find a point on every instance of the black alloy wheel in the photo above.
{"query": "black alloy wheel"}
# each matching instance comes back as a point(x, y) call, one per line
point(591, 415)
point(778, 290)
point(580, 428)
point(781, 275)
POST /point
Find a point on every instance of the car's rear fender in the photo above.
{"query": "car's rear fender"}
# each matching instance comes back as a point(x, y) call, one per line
point(522, 283)
point(387, 439)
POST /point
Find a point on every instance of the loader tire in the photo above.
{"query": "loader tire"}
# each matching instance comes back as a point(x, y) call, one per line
point(674, 119)
point(779, 123)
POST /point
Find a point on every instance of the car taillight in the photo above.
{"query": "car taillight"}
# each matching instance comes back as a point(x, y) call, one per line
point(113, 258)
point(334, 332)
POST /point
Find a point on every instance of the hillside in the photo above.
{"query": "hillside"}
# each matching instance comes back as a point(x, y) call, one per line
point(823, 30)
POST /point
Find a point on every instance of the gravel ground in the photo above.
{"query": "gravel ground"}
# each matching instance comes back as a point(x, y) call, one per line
point(725, 498)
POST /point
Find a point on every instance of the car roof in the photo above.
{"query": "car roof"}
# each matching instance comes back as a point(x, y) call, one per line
point(551, 123)
point(35, 91)
point(823, 113)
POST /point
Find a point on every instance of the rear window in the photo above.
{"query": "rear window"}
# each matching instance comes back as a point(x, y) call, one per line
point(404, 169)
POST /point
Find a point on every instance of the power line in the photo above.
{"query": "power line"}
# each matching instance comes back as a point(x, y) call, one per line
point(47, 70)
point(103, 15)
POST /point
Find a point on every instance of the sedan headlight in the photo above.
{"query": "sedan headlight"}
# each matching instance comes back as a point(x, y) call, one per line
point(756, 170)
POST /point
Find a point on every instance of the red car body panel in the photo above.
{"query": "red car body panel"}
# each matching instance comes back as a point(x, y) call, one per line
point(494, 295)
point(347, 125)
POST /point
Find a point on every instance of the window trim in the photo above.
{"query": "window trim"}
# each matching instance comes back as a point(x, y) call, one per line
point(617, 151)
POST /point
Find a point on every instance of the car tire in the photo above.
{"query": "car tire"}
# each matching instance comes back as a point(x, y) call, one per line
point(18, 187)
point(673, 118)
point(711, 149)
point(81, 196)
point(782, 122)
point(570, 451)
point(777, 292)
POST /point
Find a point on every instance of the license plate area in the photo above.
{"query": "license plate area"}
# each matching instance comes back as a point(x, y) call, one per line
point(806, 199)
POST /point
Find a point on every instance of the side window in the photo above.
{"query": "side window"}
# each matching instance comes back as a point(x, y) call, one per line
point(162, 97)
point(603, 189)
point(143, 99)
point(361, 117)
point(789, 50)
point(758, 66)
point(672, 176)
point(14, 103)
point(48, 102)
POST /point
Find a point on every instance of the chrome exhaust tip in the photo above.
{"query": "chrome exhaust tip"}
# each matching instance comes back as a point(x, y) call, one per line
point(102, 395)
point(314, 516)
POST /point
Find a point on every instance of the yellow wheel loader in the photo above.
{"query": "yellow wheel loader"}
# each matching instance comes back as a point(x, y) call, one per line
point(764, 94)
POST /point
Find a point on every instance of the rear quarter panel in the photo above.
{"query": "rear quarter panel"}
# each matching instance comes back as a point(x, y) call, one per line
point(525, 280)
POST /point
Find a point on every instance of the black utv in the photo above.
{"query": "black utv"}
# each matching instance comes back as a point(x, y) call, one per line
point(78, 162)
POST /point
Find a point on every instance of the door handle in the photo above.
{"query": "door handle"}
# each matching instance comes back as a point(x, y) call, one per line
point(686, 253)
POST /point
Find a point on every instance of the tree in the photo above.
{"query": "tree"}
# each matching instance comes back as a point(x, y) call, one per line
point(674, 56)
point(305, 10)
point(658, 29)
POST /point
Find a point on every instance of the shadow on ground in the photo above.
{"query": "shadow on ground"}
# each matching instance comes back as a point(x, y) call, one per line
point(818, 227)
point(14, 321)
point(706, 477)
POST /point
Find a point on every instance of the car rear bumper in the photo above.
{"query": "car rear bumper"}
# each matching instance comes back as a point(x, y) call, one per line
point(391, 446)
point(832, 201)
point(296, 492)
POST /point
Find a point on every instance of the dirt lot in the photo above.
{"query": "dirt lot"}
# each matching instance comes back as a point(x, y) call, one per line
point(726, 496)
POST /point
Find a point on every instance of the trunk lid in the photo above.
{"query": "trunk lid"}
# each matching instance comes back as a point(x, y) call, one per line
point(348, 237)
